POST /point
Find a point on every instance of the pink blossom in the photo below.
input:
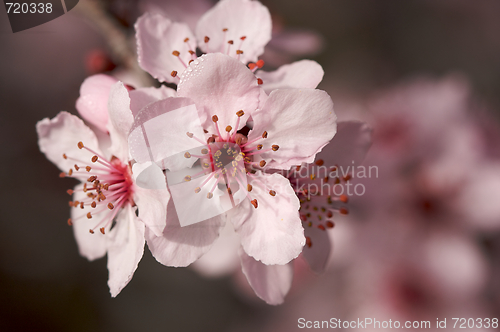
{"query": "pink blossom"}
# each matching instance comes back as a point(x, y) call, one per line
point(226, 95)
point(104, 202)
point(238, 28)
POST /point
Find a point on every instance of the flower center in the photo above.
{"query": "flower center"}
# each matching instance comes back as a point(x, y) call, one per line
point(315, 188)
point(107, 186)
point(230, 156)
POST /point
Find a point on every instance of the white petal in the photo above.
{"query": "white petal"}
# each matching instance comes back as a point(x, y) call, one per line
point(61, 135)
point(271, 233)
point(222, 86)
point(157, 37)
point(299, 121)
point(125, 249)
point(301, 74)
point(90, 246)
point(120, 120)
point(242, 18)
point(180, 246)
point(270, 282)
point(141, 97)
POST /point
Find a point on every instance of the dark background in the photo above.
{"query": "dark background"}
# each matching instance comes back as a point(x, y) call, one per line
point(46, 286)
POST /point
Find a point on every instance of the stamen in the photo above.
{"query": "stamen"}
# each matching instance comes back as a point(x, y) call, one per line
point(249, 187)
point(259, 81)
point(272, 193)
point(254, 203)
point(262, 163)
point(94, 159)
point(275, 147)
point(70, 223)
point(177, 54)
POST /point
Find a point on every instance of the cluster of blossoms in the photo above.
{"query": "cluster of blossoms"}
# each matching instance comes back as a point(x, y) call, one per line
point(214, 158)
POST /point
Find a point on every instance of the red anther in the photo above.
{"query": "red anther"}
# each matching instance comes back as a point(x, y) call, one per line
point(260, 63)
point(264, 134)
point(240, 113)
point(243, 37)
point(186, 40)
point(77, 167)
point(106, 186)
point(190, 135)
point(229, 191)
point(251, 65)
point(308, 242)
point(224, 30)
point(210, 195)
point(303, 217)
point(173, 73)
point(80, 145)
point(329, 214)
point(70, 191)
point(344, 198)
point(190, 62)
point(230, 42)
point(81, 205)
point(337, 180)
point(259, 147)
point(187, 178)
point(262, 163)
point(254, 203)
point(93, 204)
point(175, 53)
point(229, 128)
point(330, 224)
point(70, 172)
point(239, 52)
point(102, 230)
point(297, 168)
point(259, 81)
point(272, 193)
point(322, 227)
point(249, 187)
point(111, 206)
point(70, 223)
point(210, 140)
point(275, 147)
point(215, 118)
point(191, 52)
point(89, 215)
point(197, 190)
point(91, 231)
point(319, 162)
point(347, 177)
point(344, 211)
point(206, 39)
point(92, 178)
point(65, 156)
point(94, 159)
point(70, 203)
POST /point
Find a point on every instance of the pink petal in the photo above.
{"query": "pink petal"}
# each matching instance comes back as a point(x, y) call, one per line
point(270, 282)
point(222, 258)
point(120, 120)
point(222, 86)
point(271, 233)
point(299, 121)
point(318, 254)
point(125, 249)
point(157, 37)
point(301, 74)
point(139, 98)
point(152, 205)
point(93, 101)
point(61, 135)
point(186, 11)
point(159, 133)
point(242, 18)
point(181, 246)
point(90, 246)
point(350, 144)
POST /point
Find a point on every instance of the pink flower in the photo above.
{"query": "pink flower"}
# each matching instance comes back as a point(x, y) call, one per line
point(238, 28)
point(105, 200)
point(284, 132)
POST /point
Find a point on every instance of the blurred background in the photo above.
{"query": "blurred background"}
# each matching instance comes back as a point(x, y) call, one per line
point(422, 243)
